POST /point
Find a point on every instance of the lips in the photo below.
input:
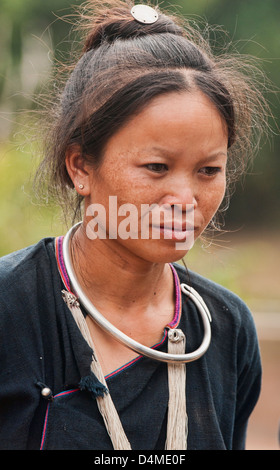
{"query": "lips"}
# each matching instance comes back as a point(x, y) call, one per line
point(174, 230)
point(177, 226)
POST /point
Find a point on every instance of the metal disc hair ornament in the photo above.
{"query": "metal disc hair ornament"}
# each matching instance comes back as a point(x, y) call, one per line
point(144, 14)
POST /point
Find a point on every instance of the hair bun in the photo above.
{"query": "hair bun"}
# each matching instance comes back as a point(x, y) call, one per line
point(117, 22)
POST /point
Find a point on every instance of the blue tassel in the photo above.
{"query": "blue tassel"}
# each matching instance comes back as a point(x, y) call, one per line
point(92, 385)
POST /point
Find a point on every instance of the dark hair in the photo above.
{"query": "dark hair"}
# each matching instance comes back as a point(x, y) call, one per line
point(124, 65)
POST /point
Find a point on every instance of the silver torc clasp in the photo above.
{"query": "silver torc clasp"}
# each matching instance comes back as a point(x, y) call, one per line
point(176, 335)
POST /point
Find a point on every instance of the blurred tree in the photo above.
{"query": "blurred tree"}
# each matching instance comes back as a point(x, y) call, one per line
point(253, 28)
point(252, 24)
point(19, 21)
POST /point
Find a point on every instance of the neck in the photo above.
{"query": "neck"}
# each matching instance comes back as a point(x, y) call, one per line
point(115, 280)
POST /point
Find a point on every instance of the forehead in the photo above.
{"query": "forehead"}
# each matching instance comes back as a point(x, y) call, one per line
point(174, 122)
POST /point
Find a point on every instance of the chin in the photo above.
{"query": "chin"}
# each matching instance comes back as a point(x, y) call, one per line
point(163, 254)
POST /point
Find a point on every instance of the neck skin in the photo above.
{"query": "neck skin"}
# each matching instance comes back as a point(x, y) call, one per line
point(121, 285)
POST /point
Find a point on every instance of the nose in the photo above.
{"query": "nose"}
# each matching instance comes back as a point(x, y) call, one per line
point(181, 194)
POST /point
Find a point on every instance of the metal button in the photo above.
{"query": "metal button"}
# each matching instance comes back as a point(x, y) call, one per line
point(46, 392)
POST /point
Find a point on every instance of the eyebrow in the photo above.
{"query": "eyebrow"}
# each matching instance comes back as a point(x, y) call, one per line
point(161, 150)
point(169, 154)
point(214, 156)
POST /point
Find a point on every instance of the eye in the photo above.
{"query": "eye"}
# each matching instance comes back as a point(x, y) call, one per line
point(210, 170)
point(157, 167)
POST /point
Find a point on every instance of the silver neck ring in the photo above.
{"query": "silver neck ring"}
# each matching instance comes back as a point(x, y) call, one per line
point(126, 340)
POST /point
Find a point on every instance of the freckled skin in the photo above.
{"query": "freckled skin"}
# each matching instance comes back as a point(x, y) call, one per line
point(177, 130)
point(173, 152)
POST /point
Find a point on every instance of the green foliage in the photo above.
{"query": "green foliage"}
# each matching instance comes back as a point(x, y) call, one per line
point(240, 264)
point(252, 24)
point(24, 219)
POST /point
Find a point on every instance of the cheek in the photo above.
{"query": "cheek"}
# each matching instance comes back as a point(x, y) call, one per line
point(211, 199)
point(220, 193)
point(120, 183)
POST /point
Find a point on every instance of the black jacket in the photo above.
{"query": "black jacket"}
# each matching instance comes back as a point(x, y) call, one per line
point(41, 346)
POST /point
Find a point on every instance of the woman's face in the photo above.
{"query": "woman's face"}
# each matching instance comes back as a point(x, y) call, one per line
point(172, 155)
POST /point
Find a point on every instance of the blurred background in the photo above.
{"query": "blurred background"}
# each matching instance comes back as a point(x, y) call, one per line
point(33, 37)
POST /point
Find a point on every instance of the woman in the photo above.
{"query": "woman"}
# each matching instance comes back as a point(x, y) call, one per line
point(105, 342)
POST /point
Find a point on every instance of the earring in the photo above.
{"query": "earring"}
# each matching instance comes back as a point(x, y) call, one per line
point(81, 186)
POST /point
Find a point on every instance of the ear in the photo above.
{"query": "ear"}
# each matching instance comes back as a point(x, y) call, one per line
point(78, 169)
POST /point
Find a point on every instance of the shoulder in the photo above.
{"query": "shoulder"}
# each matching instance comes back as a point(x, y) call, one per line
point(207, 287)
point(223, 304)
point(22, 270)
point(233, 327)
point(22, 260)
